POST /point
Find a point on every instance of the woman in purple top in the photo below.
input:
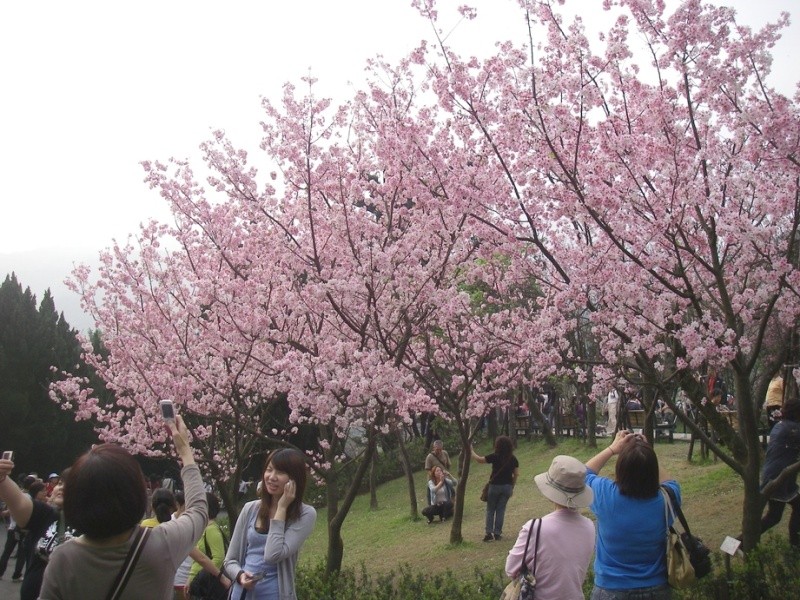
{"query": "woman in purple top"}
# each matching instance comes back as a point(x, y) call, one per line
point(562, 541)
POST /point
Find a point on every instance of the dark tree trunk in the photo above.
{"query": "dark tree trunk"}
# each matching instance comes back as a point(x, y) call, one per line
point(409, 473)
point(338, 513)
point(373, 484)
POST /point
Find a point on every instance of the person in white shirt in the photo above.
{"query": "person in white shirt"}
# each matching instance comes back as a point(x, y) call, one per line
point(612, 405)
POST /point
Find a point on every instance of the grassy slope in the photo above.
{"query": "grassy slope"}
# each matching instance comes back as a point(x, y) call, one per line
point(386, 538)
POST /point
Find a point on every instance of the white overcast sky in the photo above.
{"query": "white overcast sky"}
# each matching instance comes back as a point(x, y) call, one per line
point(91, 88)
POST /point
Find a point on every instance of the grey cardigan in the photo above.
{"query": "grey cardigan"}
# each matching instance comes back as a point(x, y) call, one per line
point(282, 547)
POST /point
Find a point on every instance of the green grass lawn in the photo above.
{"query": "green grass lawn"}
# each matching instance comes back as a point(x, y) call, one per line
point(386, 538)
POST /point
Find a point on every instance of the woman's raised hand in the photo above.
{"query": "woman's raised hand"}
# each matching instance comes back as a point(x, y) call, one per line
point(180, 437)
point(288, 496)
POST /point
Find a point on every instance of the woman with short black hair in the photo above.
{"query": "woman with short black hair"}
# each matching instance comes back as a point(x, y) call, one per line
point(105, 497)
point(208, 555)
point(631, 544)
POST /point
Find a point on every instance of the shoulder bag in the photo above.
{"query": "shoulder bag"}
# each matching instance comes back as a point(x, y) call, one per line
point(485, 490)
point(205, 586)
point(139, 541)
point(523, 586)
point(688, 558)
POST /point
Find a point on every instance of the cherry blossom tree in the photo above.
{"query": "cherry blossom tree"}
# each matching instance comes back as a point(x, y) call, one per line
point(653, 203)
point(664, 193)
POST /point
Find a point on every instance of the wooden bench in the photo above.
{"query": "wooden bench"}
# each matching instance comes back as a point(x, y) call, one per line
point(522, 425)
point(570, 425)
point(636, 420)
point(666, 427)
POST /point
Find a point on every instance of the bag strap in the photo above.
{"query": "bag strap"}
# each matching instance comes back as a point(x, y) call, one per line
point(225, 542)
point(505, 464)
point(139, 541)
point(667, 510)
point(524, 568)
point(676, 510)
point(208, 550)
point(536, 547)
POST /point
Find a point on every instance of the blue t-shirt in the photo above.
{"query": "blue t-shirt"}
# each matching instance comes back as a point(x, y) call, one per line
point(631, 536)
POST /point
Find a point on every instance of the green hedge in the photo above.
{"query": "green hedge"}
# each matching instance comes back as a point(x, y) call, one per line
point(400, 585)
point(769, 573)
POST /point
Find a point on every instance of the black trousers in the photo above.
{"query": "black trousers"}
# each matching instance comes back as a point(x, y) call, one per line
point(774, 514)
point(13, 540)
point(443, 510)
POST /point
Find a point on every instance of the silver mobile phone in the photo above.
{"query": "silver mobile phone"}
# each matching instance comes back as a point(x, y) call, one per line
point(8, 455)
point(167, 410)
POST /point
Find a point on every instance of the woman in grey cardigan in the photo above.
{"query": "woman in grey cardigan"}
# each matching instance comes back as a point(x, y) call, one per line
point(269, 533)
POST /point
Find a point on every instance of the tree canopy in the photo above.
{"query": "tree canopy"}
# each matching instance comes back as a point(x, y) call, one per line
point(654, 203)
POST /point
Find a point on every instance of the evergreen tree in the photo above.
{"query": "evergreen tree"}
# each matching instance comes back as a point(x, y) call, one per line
point(35, 343)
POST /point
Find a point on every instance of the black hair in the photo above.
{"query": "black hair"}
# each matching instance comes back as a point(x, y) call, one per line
point(791, 410)
point(637, 470)
point(105, 492)
point(35, 488)
point(293, 463)
point(503, 446)
point(213, 505)
point(164, 504)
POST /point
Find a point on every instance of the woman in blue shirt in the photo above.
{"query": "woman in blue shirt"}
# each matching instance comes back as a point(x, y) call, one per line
point(630, 558)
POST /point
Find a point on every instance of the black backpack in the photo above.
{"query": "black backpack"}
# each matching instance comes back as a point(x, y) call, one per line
point(205, 586)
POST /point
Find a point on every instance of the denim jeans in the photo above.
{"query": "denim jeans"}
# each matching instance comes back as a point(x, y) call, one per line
point(496, 507)
point(659, 592)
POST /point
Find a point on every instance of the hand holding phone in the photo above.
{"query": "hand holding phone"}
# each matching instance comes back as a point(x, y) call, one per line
point(167, 410)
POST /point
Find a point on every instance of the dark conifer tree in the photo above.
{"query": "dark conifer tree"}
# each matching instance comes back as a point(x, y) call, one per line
point(35, 344)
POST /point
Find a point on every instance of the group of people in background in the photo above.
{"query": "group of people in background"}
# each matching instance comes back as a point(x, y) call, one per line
point(39, 489)
point(88, 540)
point(628, 542)
point(628, 536)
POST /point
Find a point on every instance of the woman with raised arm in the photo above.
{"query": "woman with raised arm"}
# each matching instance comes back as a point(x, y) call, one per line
point(269, 533)
point(105, 497)
point(630, 558)
point(44, 522)
point(505, 469)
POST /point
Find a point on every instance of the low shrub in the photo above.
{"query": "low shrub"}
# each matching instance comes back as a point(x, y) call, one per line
point(396, 585)
point(768, 572)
